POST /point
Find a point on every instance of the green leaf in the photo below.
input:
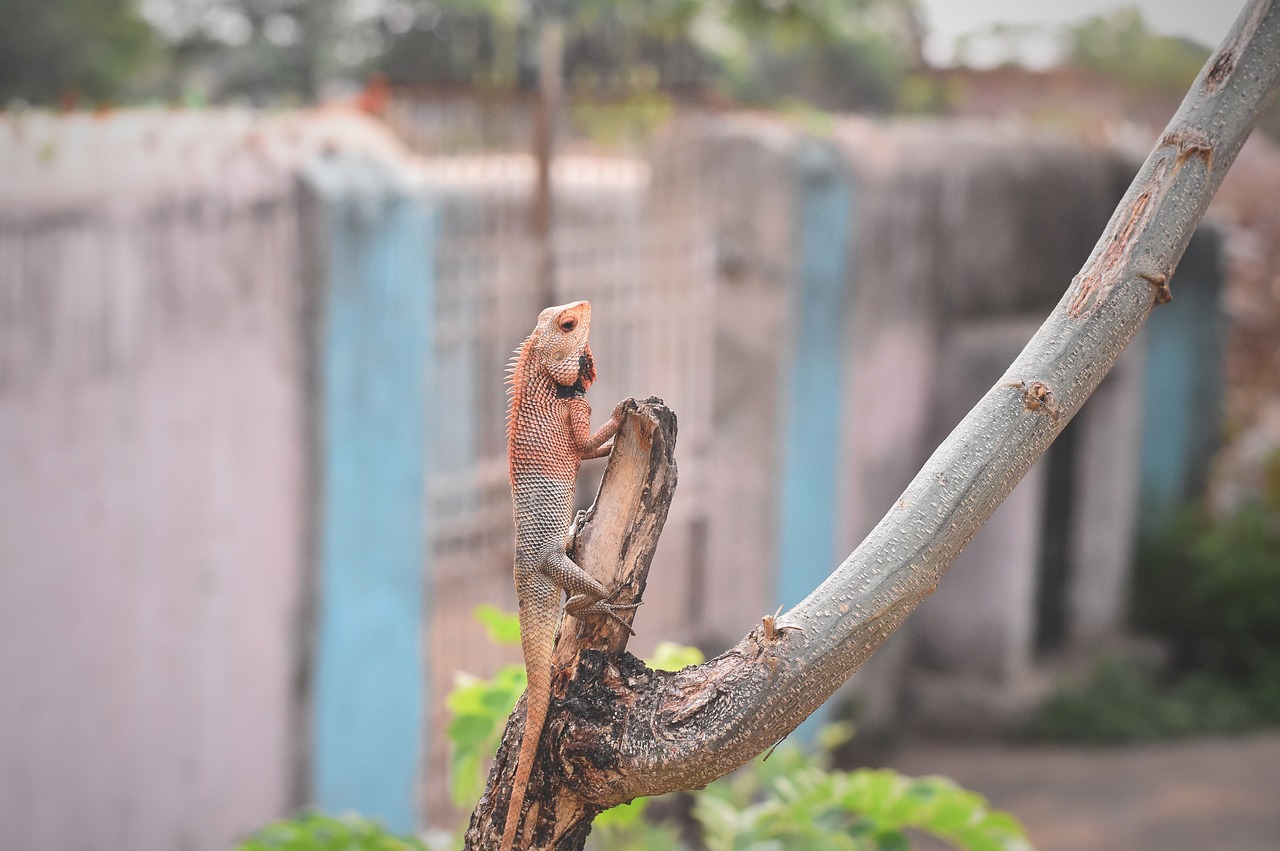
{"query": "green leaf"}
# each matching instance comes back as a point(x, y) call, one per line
point(623, 815)
point(503, 627)
point(834, 735)
point(670, 656)
point(319, 832)
point(892, 840)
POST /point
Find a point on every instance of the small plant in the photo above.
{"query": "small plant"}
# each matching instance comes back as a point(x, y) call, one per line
point(479, 709)
point(792, 801)
point(317, 832)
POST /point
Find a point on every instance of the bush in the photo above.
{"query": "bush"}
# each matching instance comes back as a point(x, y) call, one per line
point(1126, 700)
point(793, 802)
point(1210, 590)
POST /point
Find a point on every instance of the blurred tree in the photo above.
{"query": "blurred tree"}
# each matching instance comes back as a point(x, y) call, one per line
point(832, 54)
point(263, 50)
point(1120, 45)
point(456, 42)
point(61, 50)
point(828, 52)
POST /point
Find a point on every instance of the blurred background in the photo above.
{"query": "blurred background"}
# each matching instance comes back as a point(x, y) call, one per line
point(262, 264)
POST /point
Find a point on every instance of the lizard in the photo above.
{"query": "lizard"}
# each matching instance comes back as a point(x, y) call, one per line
point(548, 436)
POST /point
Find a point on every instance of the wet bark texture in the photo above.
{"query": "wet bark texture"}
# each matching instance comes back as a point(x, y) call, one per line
point(618, 730)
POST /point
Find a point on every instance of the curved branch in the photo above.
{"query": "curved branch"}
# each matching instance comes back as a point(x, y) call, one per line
point(768, 683)
point(646, 733)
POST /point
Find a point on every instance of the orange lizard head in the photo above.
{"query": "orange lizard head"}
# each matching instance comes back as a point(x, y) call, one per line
point(560, 344)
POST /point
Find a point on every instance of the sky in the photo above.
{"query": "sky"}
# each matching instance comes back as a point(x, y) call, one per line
point(1205, 21)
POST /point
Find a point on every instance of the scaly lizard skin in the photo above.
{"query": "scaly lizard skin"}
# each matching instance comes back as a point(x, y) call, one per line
point(548, 435)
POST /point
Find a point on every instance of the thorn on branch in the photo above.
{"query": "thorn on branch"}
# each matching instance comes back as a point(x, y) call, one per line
point(1036, 396)
point(773, 747)
point(774, 630)
point(1164, 295)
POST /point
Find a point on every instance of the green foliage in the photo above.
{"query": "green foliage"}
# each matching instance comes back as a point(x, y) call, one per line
point(833, 55)
point(503, 627)
point(479, 708)
point(1212, 590)
point(1124, 700)
point(669, 656)
point(792, 801)
point(316, 832)
point(1120, 45)
point(65, 49)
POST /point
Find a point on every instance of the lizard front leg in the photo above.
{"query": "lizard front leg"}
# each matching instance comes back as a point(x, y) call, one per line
point(598, 445)
point(587, 596)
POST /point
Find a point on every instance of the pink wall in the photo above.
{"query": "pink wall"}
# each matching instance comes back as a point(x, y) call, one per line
point(151, 524)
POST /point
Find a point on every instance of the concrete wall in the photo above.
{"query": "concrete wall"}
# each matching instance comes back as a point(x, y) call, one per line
point(965, 248)
point(160, 488)
point(151, 501)
point(955, 253)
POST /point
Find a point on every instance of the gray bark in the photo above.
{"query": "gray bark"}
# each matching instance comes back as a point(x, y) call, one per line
point(619, 731)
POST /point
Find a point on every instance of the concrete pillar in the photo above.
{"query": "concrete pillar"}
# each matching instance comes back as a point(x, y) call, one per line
point(1105, 503)
point(974, 636)
point(376, 318)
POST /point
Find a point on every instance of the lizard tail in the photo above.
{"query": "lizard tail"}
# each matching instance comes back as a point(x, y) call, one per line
point(535, 716)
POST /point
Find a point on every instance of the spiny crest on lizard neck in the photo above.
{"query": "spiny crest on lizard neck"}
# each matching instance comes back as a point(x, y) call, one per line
point(556, 356)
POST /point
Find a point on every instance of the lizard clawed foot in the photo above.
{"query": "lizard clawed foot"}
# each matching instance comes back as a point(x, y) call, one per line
point(609, 610)
point(612, 608)
point(606, 608)
point(620, 621)
point(614, 593)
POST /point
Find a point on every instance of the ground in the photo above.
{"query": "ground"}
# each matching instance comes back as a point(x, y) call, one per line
point(1204, 794)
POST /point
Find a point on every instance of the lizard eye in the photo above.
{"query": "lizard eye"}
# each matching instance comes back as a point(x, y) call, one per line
point(568, 324)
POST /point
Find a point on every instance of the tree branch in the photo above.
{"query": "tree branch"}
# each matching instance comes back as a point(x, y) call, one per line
point(619, 731)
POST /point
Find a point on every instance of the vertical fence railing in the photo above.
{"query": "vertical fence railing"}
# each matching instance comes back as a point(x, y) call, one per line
point(648, 276)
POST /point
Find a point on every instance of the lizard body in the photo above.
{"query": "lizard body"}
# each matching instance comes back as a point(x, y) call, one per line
point(548, 435)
